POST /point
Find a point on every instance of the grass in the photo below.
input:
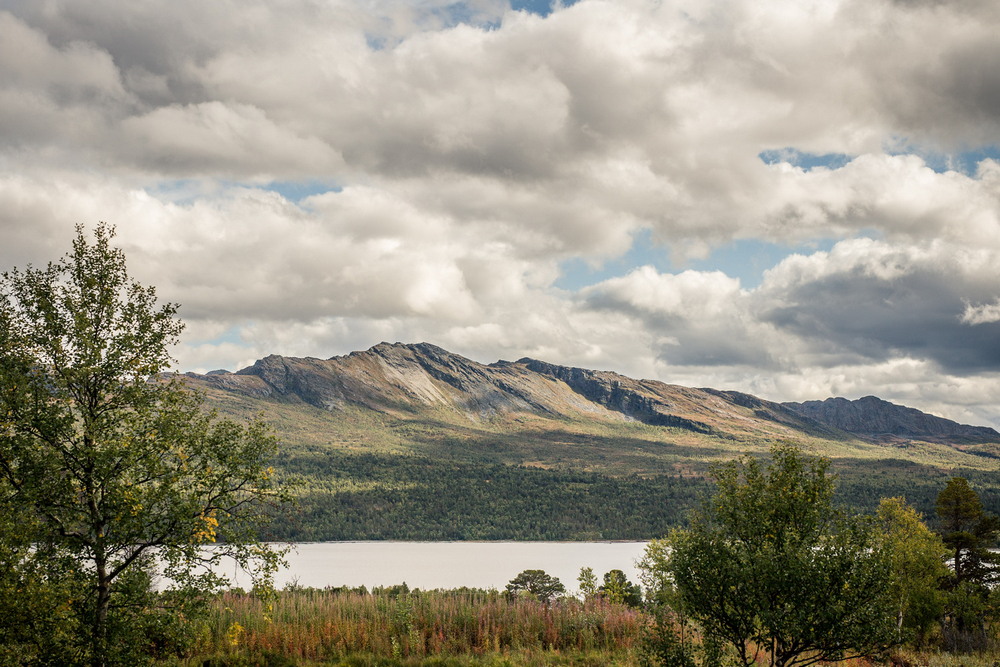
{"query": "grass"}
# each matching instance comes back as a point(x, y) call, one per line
point(911, 658)
point(310, 626)
point(393, 627)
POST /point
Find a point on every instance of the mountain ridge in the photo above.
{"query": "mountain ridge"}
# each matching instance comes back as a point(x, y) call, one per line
point(397, 377)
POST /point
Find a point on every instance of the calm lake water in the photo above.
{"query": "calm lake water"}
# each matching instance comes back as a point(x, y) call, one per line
point(448, 564)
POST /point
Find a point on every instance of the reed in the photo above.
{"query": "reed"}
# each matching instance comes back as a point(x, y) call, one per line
point(312, 625)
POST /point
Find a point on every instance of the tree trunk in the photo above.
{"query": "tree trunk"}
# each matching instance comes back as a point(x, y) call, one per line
point(99, 631)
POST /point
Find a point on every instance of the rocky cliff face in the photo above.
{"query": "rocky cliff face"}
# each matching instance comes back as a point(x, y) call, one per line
point(871, 416)
point(643, 401)
point(407, 379)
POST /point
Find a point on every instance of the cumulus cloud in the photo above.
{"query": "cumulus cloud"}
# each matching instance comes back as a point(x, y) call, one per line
point(701, 318)
point(469, 151)
point(873, 300)
point(865, 314)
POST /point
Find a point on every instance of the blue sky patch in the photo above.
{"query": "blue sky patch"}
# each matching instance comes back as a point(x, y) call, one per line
point(233, 336)
point(577, 273)
point(746, 259)
point(968, 161)
point(183, 192)
point(964, 162)
point(803, 160)
point(296, 191)
point(540, 7)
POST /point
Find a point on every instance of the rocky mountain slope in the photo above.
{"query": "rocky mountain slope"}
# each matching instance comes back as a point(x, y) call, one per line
point(871, 416)
point(398, 379)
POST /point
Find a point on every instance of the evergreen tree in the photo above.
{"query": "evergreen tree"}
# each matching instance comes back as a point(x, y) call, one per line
point(618, 589)
point(537, 583)
point(588, 582)
point(969, 531)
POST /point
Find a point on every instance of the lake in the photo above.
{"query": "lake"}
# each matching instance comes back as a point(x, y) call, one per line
point(448, 564)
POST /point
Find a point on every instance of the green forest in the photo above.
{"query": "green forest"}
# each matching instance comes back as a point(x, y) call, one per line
point(384, 497)
point(397, 497)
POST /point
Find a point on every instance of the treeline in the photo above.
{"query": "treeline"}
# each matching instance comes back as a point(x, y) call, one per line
point(392, 497)
point(862, 484)
point(374, 497)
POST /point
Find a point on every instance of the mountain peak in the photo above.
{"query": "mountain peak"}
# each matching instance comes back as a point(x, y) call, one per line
point(389, 348)
point(874, 417)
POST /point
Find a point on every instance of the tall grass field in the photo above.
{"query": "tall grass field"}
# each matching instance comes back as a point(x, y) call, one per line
point(390, 627)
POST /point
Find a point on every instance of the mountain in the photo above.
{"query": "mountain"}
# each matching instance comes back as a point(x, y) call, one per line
point(415, 442)
point(873, 417)
point(400, 379)
point(406, 379)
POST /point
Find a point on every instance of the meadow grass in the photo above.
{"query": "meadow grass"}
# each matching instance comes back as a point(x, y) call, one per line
point(310, 626)
point(395, 627)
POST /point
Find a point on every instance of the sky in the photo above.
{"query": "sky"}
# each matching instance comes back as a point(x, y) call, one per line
point(794, 198)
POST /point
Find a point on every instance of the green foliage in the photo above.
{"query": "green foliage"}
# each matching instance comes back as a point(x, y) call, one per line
point(588, 583)
point(969, 614)
point(969, 532)
point(386, 497)
point(917, 567)
point(666, 642)
point(654, 574)
point(862, 484)
point(770, 567)
point(617, 589)
point(104, 462)
point(377, 496)
point(39, 621)
point(536, 583)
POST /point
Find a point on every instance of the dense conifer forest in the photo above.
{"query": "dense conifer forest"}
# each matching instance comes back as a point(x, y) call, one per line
point(388, 497)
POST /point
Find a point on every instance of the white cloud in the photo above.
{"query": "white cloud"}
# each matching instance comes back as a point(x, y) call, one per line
point(474, 150)
point(981, 314)
point(200, 139)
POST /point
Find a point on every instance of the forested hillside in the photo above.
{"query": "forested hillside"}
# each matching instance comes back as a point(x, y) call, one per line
point(413, 442)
